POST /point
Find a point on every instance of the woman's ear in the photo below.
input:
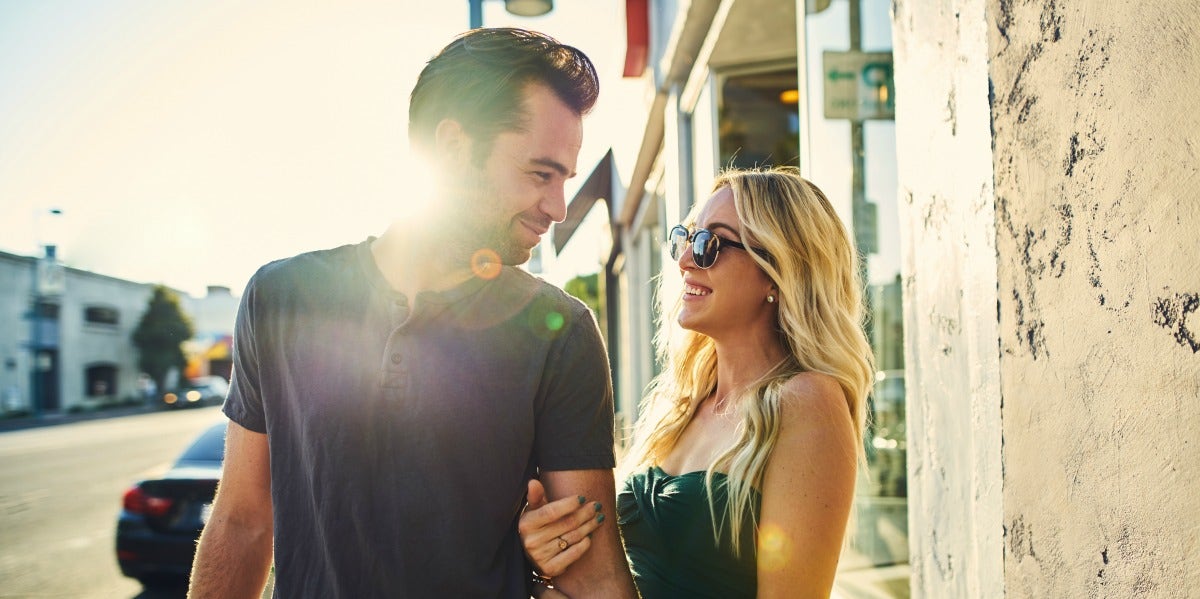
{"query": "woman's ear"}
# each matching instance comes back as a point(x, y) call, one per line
point(772, 295)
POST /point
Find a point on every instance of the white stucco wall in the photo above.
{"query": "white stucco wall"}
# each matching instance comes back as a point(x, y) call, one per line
point(16, 287)
point(949, 274)
point(1048, 162)
point(84, 344)
point(1096, 141)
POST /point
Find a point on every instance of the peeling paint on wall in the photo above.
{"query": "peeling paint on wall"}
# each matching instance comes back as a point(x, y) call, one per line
point(1172, 313)
point(1066, 215)
point(1090, 147)
point(1020, 539)
point(952, 112)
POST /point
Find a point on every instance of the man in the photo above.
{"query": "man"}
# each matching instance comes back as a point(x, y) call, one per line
point(390, 399)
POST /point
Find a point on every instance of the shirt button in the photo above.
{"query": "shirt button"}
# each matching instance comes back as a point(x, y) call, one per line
point(395, 358)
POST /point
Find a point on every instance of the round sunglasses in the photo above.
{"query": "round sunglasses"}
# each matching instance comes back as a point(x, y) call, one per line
point(706, 245)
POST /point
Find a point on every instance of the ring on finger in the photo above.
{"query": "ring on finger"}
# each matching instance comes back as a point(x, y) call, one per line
point(562, 543)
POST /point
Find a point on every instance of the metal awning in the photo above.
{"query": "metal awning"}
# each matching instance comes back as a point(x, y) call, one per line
point(598, 186)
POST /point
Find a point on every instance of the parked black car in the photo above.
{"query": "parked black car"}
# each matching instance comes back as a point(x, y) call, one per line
point(200, 391)
point(162, 518)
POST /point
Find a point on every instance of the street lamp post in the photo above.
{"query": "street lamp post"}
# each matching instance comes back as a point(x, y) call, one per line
point(43, 334)
point(521, 8)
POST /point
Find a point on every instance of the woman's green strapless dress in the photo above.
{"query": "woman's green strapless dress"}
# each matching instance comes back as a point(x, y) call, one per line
point(669, 539)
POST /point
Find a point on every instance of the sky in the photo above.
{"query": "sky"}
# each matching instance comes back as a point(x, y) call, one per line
point(188, 143)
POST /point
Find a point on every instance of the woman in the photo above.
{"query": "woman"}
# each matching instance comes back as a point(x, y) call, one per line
point(740, 480)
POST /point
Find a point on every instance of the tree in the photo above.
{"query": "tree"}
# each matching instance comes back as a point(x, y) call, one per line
point(587, 289)
point(160, 334)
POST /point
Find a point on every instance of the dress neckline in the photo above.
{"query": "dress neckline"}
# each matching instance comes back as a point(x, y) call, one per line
point(692, 473)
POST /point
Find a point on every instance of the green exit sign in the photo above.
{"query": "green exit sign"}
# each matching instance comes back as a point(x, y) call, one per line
point(858, 85)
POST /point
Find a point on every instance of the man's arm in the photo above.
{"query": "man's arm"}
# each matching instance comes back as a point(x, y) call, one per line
point(235, 551)
point(602, 571)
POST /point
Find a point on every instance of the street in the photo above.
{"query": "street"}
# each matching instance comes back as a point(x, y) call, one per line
point(60, 493)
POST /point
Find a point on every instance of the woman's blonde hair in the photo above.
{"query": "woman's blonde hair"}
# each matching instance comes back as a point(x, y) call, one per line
point(814, 265)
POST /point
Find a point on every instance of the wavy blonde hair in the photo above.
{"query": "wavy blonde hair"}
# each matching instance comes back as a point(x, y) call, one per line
point(814, 265)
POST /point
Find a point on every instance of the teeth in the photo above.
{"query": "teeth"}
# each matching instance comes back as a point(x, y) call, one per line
point(688, 289)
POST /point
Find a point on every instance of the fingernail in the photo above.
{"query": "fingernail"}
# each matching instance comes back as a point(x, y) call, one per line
point(599, 518)
point(597, 506)
point(582, 500)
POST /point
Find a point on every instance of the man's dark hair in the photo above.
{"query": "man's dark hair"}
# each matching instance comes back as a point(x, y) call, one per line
point(478, 81)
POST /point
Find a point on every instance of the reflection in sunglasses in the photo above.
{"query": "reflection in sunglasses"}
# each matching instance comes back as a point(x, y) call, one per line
point(706, 245)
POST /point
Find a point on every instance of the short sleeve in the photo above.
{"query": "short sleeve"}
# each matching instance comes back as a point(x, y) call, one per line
point(575, 416)
point(244, 404)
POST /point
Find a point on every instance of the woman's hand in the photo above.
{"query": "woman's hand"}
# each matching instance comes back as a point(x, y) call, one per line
point(556, 534)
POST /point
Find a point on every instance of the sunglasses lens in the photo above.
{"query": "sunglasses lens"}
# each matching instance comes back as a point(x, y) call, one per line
point(704, 248)
point(677, 241)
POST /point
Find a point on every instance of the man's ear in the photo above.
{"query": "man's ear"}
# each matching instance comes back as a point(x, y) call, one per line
point(450, 141)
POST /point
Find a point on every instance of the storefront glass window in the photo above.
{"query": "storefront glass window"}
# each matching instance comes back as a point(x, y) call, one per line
point(850, 152)
point(758, 119)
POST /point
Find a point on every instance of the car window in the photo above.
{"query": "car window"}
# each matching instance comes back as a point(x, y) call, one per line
point(209, 447)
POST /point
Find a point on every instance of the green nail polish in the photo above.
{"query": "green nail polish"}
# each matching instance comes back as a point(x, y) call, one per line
point(582, 500)
point(599, 518)
point(597, 506)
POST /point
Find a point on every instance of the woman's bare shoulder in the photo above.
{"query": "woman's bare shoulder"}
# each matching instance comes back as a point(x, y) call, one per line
point(809, 392)
point(814, 416)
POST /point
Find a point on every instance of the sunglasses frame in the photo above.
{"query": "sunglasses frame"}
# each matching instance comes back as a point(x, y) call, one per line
point(698, 256)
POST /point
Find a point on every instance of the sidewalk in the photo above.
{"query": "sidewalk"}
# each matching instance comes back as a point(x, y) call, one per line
point(27, 422)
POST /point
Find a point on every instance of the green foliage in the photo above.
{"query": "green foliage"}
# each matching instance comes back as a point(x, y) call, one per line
point(160, 334)
point(587, 289)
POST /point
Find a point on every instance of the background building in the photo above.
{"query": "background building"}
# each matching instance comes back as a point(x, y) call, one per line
point(65, 335)
point(210, 351)
point(1018, 189)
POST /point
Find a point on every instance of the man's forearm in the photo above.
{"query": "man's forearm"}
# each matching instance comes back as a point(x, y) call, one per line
point(615, 583)
point(232, 561)
point(602, 572)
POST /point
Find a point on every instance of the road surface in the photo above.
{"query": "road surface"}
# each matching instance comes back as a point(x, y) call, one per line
point(60, 492)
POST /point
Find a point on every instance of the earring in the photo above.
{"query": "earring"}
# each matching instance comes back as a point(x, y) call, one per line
point(770, 299)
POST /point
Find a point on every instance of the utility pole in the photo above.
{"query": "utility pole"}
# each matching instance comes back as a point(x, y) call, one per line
point(47, 282)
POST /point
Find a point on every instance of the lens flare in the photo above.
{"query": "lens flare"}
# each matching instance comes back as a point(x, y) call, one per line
point(485, 263)
point(544, 320)
point(774, 548)
point(554, 321)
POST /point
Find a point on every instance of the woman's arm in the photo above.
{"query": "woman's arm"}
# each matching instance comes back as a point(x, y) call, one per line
point(807, 491)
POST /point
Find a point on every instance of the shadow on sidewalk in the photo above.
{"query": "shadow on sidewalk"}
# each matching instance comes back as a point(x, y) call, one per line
point(27, 422)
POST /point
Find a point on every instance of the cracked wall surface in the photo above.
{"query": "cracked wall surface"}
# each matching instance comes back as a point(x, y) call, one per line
point(1095, 140)
point(1048, 175)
